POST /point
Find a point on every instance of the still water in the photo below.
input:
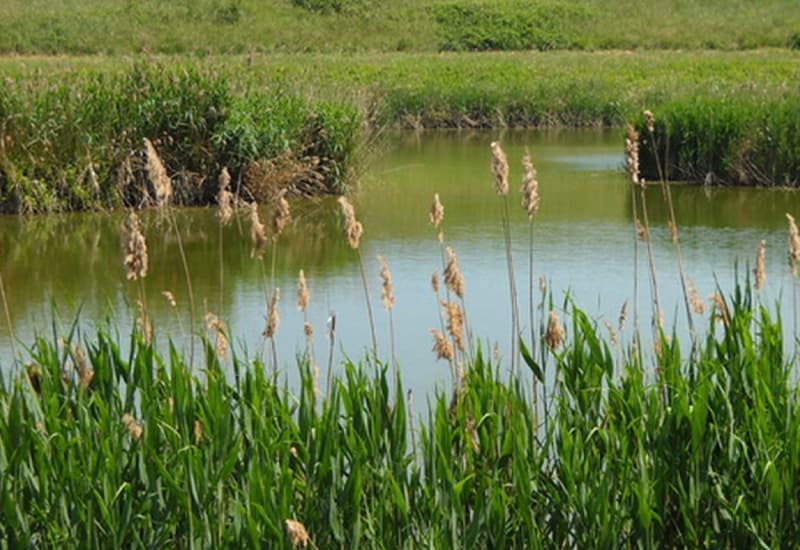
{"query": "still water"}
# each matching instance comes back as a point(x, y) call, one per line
point(57, 266)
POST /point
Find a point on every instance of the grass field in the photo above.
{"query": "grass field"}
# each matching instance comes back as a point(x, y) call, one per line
point(239, 26)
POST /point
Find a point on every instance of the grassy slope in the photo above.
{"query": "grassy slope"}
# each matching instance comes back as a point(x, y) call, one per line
point(231, 26)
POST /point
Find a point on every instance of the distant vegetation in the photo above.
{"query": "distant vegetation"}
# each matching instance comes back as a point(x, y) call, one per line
point(205, 27)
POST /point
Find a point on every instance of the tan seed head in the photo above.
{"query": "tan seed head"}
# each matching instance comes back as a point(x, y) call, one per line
point(760, 271)
point(297, 533)
point(225, 212)
point(135, 250)
point(453, 278)
point(303, 295)
point(281, 216)
point(554, 336)
point(632, 153)
point(794, 244)
point(499, 169)
point(273, 319)
point(387, 289)
point(441, 346)
point(257, 234)
point(530, 187)
point(157, 175)
point(437, 212)
point(352, 227)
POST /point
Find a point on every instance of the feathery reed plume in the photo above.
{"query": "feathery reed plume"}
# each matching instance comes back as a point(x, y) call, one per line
point(197, 431)
point(273, 319)
point(437, 212)
point(256, 232)
point(225, 212)
point(455, 323)
point(220, 340)
point(297, 534)
point(353, 231)
point(649, 120)
point(698, 306)
point(157, 175)
point(170, 298)
point(794, 244)
point(632, 153)
point(308, 330)
point(612, 334)
point(720, 309)
point(303, 295)
point(352, 227)
point(760, 271)
point(554, 336)
point(387, 289)
point(441, 345)
point(530, 187)
point(499, 169)
point(135, 429)
point(453, 278)
point(623, 316)
point(85, 372)
point(135, 250)
point(281, 216)
point(435, 282)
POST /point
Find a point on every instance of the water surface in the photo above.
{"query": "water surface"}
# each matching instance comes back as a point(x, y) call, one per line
point(583, 246)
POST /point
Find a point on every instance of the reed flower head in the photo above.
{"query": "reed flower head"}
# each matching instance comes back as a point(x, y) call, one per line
point(220, 339)
point(170, 298)
point(256, 232)
point(554, 336)
point(530, 187)
point(720, 309)
point(297, 533)
point(281, 215)
point(85, 372)
point(623, 316)
point(794, 244)
point(303, 295)
point(649, 120)
point(441, 346)
point(632, 153)
point(452, 274)
point(499, 169)
point(143, 322)
point(437, 215)
point(455, 323)
point(273, 319)
point(696, 302)
point(352, 227)
point(435, 282)
point(157, 175)
point(760, 271)
point(225, 212)
point(308, 330)
point(387, 289)
point(135, 250)
point(135, 429)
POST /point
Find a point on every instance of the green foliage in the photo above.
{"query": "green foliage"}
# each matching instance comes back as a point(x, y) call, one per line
point(724, 139)
point(698, 449)
point(509, 25)
point(332, 6)
point(77, 143)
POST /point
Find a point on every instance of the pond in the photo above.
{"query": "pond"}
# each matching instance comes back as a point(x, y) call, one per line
point(70, 266)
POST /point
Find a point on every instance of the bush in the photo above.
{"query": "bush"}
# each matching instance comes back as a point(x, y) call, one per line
point(508, 25)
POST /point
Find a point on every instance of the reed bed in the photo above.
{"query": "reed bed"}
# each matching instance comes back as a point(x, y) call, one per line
point(100, 447)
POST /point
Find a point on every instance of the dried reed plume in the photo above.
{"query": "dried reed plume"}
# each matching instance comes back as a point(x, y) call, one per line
point(297, 534)
point(135, 429)
point(794, 244)
point(387, 289)
point(435, 282)
point(256, 232)
point(453, 278)
point(499, 169)
point(623, 316)
point(85, 372)
point(698, 306)
point(720, 309)
point(225, 212)
point(455, 323)
point(220, 340)
point(760, 271)
point(632, 153)
point(352, 227)
point(157, 175)
point(441, 346)
point(273, 319)
point(437, 212)
point(612, 334)
point(303, 295)
point(308, 330)
point(649, 121)
point(170, 298)
point(554, 336)
point(530, 187)
point(135, 250)
point(281, 215)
